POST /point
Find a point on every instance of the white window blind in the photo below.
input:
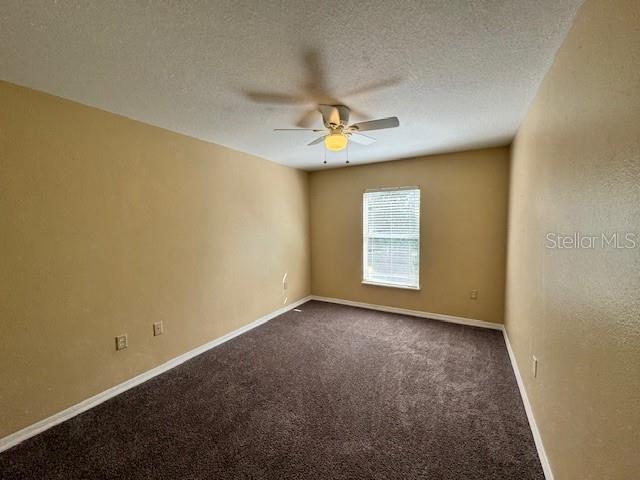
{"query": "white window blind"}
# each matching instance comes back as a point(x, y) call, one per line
point(391, 237)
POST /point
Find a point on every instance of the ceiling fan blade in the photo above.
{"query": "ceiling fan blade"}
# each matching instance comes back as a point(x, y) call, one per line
point(374, 86)
point(360, 113)
point(307, 119)
point(315, 84)
point(361, 139)
point(317, 140)
point(390, 122)
point(276, 98)
point(298, 130)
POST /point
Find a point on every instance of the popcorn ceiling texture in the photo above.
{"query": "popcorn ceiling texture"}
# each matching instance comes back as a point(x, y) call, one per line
point(459, 75)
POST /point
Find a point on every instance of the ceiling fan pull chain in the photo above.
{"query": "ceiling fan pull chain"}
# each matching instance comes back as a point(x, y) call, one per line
point(347, 153)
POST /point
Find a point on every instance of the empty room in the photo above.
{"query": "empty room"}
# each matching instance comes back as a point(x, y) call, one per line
point(294, 239)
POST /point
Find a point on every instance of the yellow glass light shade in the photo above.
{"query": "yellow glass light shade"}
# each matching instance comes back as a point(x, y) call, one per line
point(335, 142)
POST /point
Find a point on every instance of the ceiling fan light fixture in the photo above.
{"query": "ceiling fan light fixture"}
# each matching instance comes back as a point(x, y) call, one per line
point(336, 141)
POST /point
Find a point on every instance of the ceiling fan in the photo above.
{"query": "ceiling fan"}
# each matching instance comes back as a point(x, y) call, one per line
point(338, 133)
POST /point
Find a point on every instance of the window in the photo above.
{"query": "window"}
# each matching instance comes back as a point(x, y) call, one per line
point(391, 237)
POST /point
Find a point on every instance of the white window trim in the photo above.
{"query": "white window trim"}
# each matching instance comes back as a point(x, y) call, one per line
point(363, 281)
point(390, 285)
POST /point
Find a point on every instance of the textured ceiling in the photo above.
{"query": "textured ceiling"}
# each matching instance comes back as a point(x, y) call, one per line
point(459, 74)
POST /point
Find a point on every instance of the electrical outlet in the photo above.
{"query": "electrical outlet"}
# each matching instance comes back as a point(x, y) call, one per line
point(158, 329)
point(121, 342)
point(534, 366)
point(474, 295)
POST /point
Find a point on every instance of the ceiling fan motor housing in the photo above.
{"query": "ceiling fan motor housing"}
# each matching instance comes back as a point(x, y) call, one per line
point(336, 120)
point(334, 116)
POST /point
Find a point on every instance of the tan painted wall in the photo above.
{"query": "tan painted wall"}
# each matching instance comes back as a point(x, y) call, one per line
point(109, 225)
point(463, 232)
point(576, 168)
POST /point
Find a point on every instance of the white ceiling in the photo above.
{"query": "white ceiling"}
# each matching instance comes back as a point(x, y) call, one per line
point(459, 74)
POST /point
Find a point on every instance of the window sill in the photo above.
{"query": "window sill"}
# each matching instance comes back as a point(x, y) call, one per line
point(390, 285)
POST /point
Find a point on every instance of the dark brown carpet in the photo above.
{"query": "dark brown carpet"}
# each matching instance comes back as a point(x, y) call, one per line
point(331, 392)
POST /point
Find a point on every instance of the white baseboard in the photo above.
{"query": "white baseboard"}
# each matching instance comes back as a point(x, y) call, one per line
point(38, 427)
point(414, 313)
point(542, 454)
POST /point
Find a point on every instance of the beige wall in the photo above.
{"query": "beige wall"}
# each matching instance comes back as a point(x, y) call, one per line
point(576, 168)
point(109, 225)
point(463, 232)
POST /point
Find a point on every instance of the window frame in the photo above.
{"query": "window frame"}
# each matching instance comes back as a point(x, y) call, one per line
point(363, 280)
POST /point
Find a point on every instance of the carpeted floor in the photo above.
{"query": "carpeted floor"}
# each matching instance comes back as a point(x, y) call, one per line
point(331, 392)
